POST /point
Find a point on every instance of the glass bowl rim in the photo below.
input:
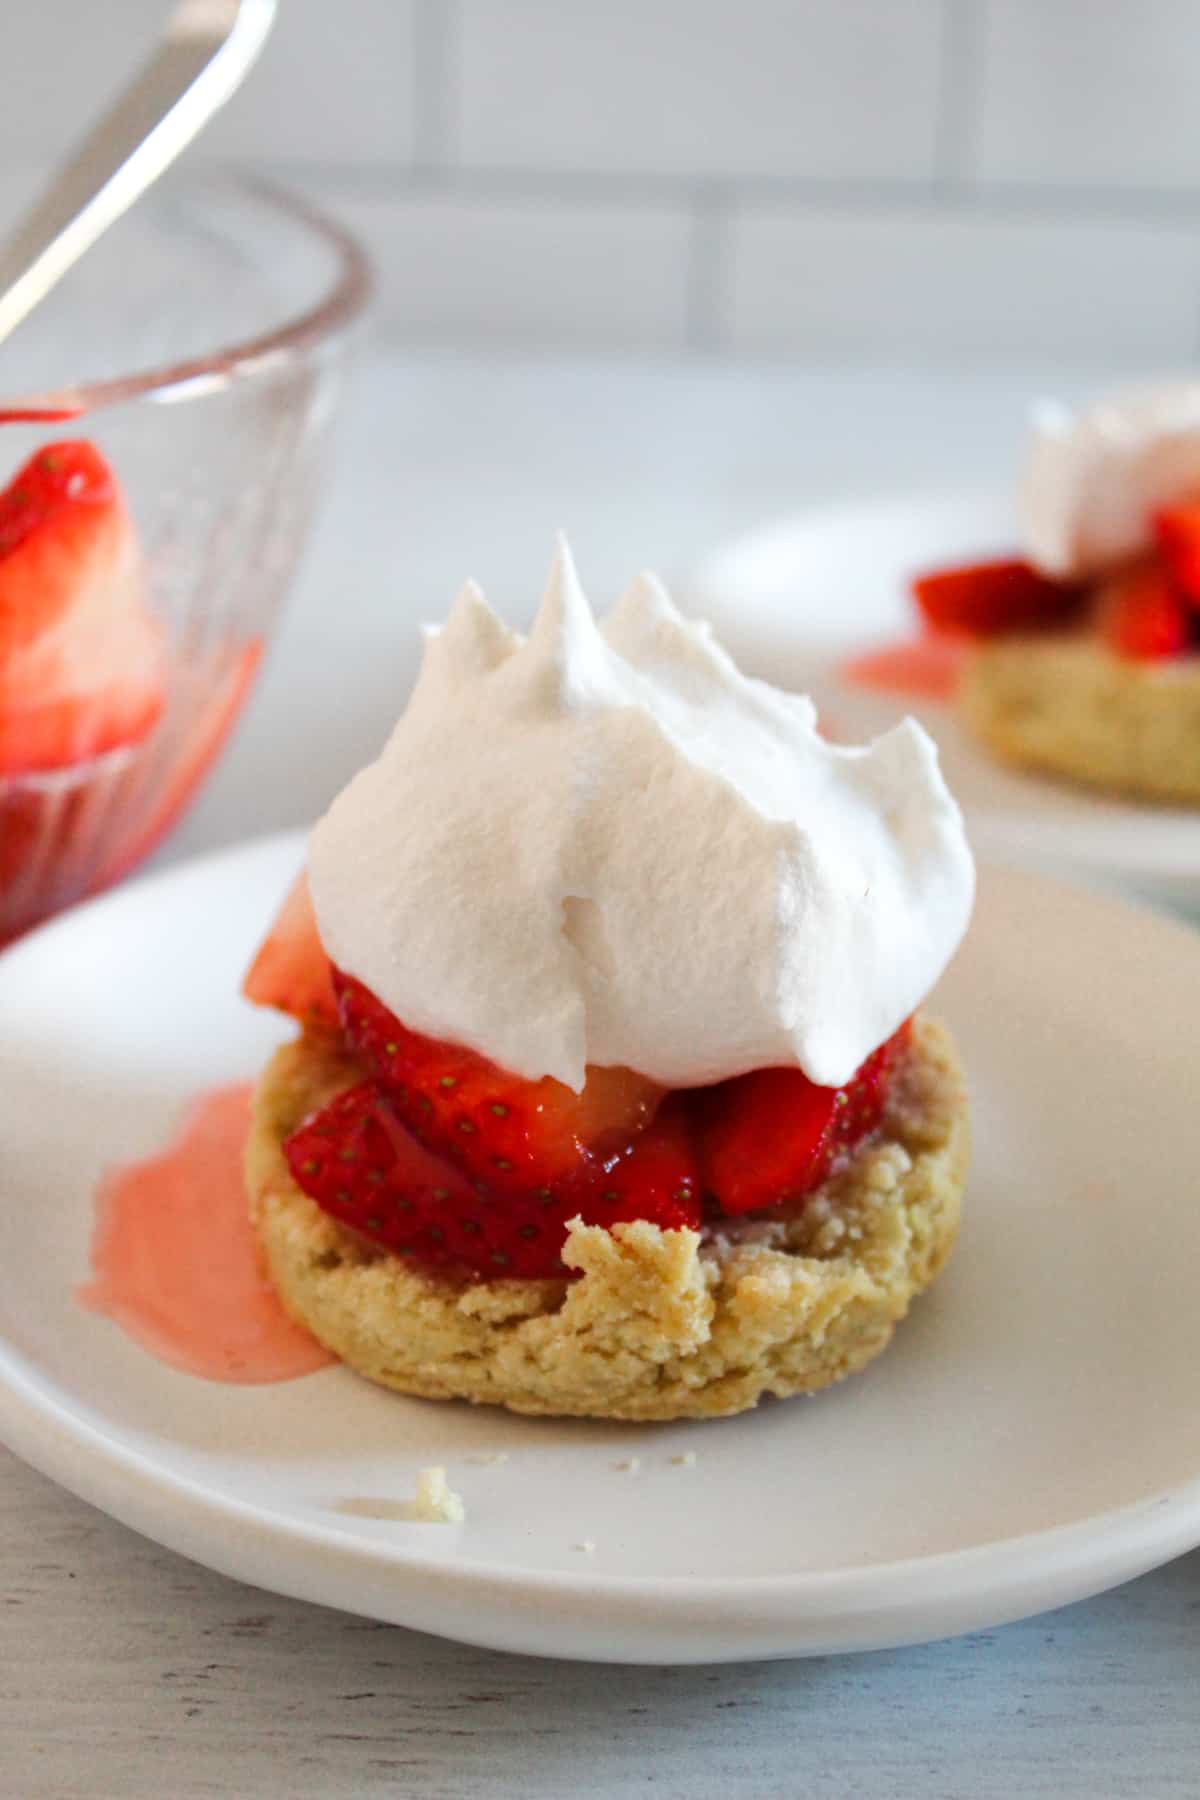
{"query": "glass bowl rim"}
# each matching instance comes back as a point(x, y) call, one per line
point(336, 309)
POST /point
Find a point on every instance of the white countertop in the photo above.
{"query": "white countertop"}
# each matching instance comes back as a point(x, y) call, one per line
point(127, 1671)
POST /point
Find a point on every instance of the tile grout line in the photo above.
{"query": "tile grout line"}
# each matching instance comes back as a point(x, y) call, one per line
point(985, 202)
point(960, 84)
point(435, 24)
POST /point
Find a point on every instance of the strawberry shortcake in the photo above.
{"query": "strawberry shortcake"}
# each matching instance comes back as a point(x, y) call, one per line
point(1082, 658)
point(613, 1094)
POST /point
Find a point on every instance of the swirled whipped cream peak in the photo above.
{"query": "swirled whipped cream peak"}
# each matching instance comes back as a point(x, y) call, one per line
point(605, 844)
point(1095, 478)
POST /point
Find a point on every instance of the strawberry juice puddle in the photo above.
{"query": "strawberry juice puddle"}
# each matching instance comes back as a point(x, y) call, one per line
point(175, 1263)
point(928, 667)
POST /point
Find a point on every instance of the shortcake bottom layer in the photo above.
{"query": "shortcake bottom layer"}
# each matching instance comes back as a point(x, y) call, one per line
point(1068, 706)
point(660, 1324)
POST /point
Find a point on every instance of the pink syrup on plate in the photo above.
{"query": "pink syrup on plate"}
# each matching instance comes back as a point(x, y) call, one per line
point(928, 667)
point(176, 1264)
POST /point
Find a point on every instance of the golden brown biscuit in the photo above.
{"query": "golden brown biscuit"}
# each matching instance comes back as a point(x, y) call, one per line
point(1066, 705)
point(660, 1324)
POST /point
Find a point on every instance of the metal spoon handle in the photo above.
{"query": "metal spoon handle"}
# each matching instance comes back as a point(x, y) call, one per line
point(206, 50)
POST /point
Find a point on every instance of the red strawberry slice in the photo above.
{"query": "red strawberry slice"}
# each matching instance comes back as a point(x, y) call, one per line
point(658, 1180)
point(513, 1135)
point(81, 658)
point(1177, 533)
point(357, 1160)
point(1143, 616)
point(291, 970)
point(861, 1110)
point(988, 598)
point(771, 1136)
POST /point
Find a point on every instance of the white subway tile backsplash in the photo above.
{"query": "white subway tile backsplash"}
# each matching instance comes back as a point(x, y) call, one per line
point(808, 88)
point(901, 282)
point(663, 172)
point(335, 81)
point(454, 265)
point(1096, 92)
point(61, 68)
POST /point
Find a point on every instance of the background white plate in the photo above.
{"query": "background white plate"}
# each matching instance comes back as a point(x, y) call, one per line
point(1032, 1436)
point(794, 599)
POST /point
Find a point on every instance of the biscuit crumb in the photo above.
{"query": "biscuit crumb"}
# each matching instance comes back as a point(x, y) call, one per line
point(436, 1502)
point(630, 1466)
point(686, 1460)
point(587, 1546)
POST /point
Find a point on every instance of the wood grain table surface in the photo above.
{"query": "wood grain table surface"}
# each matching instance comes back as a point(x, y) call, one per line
point(127, 1673)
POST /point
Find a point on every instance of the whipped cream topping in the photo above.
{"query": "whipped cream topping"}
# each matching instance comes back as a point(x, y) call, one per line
point(1093, 479)
point(608, 845)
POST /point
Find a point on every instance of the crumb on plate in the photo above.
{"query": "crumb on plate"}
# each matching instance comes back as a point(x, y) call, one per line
point(436, 1502)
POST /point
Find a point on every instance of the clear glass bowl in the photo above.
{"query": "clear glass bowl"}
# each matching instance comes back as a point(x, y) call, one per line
point(232, 302)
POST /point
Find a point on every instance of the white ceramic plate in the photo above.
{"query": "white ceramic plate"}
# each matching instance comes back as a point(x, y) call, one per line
point(792, 600)
point(1032, 1436)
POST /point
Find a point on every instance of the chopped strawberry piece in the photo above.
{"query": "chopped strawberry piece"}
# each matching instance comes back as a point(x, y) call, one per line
point(1177, 533)
point(1143, 616)
point(49, 513)
point(357, 1161)
point(511, 1134)
point(658, 1180)
point(361, 1165)
point(766, 1137)
point(988, 598)
point(861, 1110)
point(81, 657)
point(290, 970)
point(771, 1136)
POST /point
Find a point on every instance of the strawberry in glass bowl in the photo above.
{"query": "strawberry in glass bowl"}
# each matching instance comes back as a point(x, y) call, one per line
point(150, 523)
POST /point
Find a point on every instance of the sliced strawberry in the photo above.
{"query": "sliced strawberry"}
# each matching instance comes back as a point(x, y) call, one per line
point(290, 970)
point(50, 515)
point(770, 1136)
point(357, 1160)
point(81, 657)
point(988, 598)
point(511, 1134)
point(658, 1180)
point(1177, 533)
point(861, 1109)
point(1143, 616)
point(765, 1137)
